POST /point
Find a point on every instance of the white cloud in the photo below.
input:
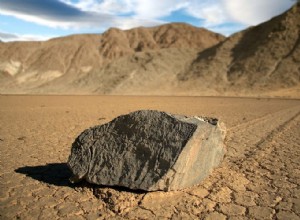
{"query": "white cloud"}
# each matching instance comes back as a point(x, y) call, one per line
point(53, 23)
point(211, 12)
point(255, 11)
point(153, 10)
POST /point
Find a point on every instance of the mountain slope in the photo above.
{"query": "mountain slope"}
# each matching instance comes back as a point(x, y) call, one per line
point(261, 58)
point(31, 65)
point(153, 73)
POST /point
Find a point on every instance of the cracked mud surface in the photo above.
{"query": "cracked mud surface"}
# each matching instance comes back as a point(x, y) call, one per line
point(258, 179)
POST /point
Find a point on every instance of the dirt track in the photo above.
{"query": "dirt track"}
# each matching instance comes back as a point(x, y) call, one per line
point(258, 179)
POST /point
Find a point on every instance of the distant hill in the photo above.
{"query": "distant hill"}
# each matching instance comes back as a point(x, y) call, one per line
point(28, 66)
point(172, 59)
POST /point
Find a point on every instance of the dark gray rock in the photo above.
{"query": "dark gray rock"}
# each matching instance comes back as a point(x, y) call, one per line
point(148, 150)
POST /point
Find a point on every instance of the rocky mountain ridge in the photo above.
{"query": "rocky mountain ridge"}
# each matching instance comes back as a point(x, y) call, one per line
point(264, 57)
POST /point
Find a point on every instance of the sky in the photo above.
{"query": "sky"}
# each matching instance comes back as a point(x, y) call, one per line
point(22, 20)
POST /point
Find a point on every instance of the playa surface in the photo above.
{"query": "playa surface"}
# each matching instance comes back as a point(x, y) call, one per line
point(258, 179)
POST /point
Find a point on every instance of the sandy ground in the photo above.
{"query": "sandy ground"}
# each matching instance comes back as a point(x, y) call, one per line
point(258, 179)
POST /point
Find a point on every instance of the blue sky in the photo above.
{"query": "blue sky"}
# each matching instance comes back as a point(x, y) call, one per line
point(44, 19)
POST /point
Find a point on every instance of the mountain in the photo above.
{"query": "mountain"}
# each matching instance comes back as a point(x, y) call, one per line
point(29, 66)
point(172, 59)
point(264, 58)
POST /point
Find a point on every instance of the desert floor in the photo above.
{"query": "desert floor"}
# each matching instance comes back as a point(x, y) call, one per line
point(258, 179)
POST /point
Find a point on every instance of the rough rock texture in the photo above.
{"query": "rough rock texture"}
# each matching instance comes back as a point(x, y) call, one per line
point(148, 150)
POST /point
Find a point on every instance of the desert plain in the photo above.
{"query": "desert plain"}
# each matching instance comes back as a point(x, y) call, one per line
point(259, 177)
point(177, 68)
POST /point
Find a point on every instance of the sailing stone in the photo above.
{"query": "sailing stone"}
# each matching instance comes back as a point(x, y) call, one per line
point(148, 150)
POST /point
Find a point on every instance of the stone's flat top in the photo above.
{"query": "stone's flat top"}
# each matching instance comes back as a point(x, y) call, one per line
point(134, 150)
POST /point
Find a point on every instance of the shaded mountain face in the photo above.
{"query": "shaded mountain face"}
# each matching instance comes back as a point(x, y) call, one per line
point(172, 59)
point(265, 57)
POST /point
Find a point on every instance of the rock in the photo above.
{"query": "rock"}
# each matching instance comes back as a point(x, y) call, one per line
point(148, 150)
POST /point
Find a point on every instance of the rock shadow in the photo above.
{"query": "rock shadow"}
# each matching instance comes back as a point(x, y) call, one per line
point(57, 174)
